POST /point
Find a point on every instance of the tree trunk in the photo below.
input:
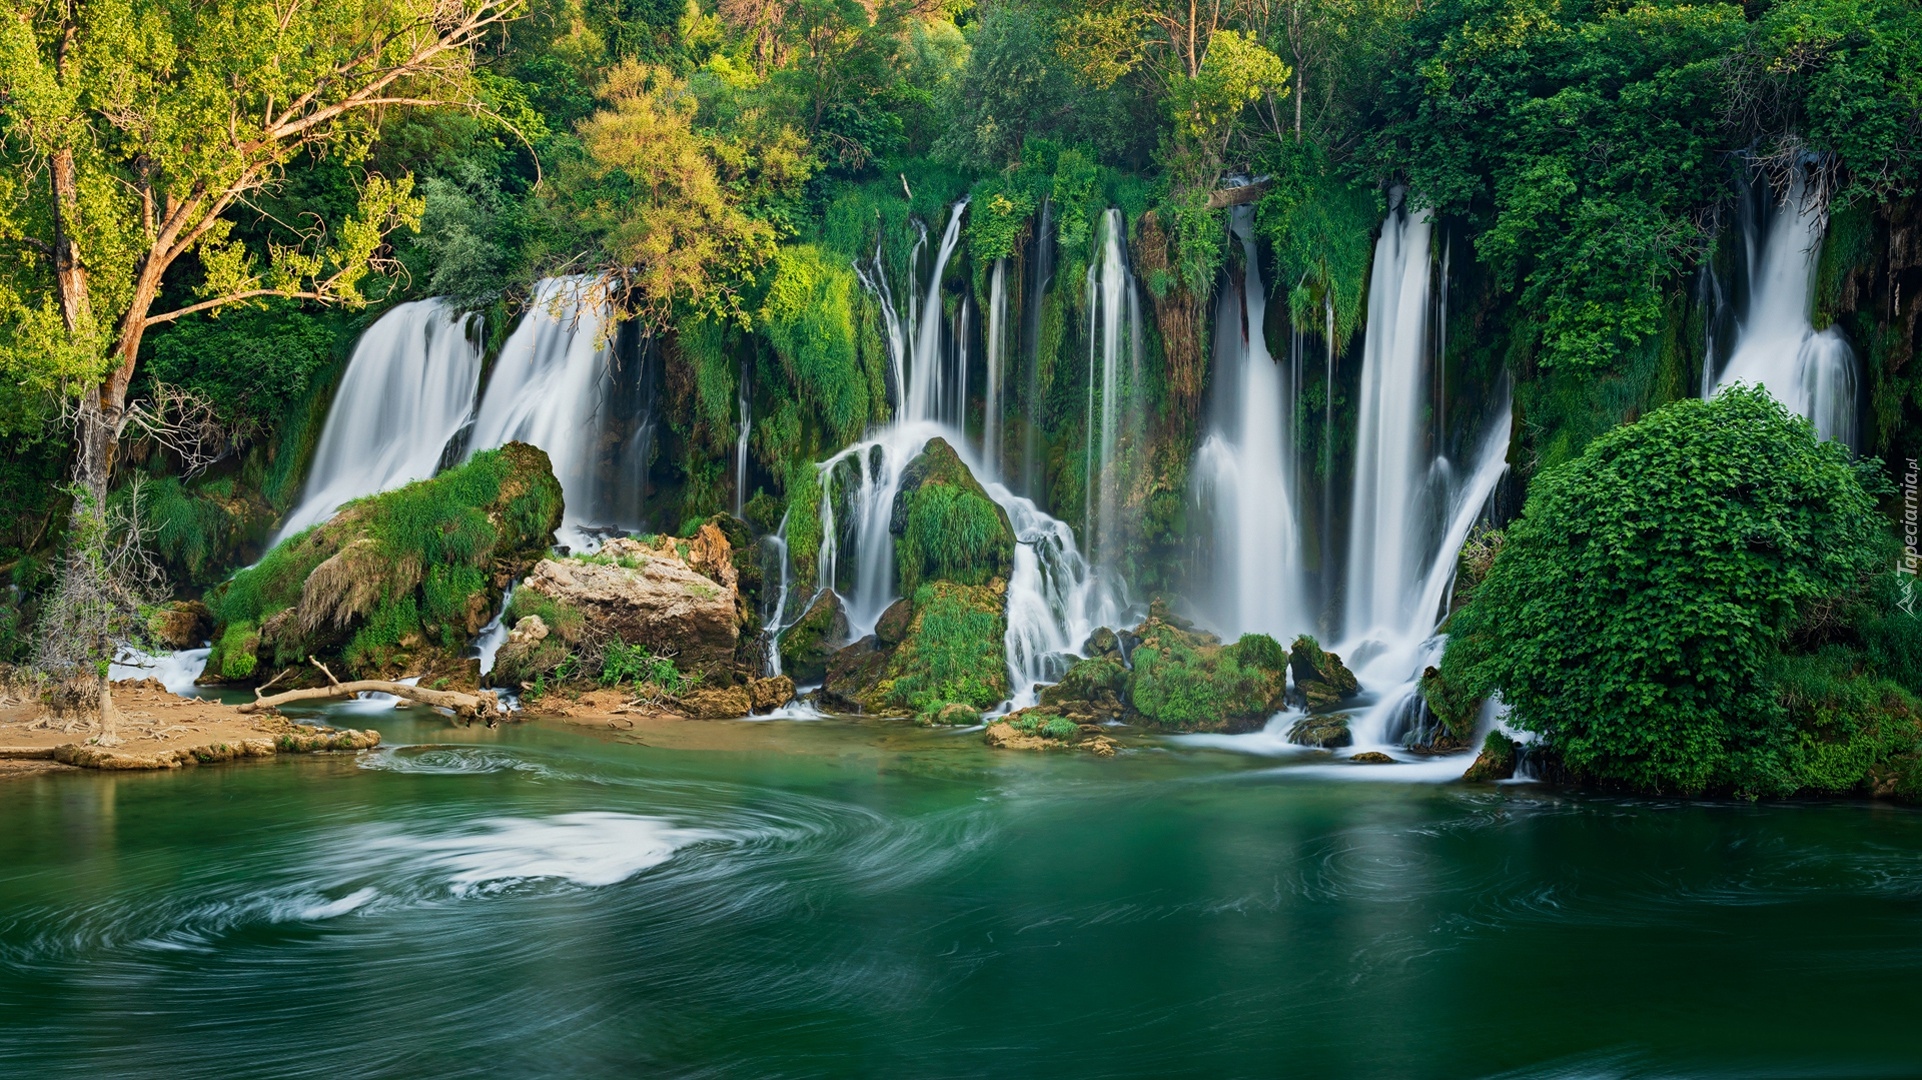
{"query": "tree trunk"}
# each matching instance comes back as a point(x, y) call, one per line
point(466, 707)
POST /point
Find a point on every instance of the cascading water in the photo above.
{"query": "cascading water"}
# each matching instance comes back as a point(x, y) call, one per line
point(1054, 598)
point(1038, 282)
point(744, 400)
point(561, 385)
point(997, 350)
point(1247, 466)
point(1114, 343)
point(1810, 371)
point(1391, 525)
point(408, 390)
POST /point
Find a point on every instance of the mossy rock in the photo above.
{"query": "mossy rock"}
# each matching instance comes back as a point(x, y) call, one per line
point(895, 622)
point(1096, 685)
point(807, 645)
point(1453, 705)
point(1321, 679)
point(946, 527)
point(1328, 732)
point(180, 624)
point(1495, 762)
point(854, 675)
point(955, 649)
point(952, 714)
point(1185, 680)
point(397, 583)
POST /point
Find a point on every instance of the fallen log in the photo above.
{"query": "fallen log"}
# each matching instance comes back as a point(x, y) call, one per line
point(467, 708)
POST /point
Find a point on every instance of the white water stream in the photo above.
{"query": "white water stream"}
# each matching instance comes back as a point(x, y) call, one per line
point(559, 385)
point(1247, 467)
point(408, 389)
point(1777, 346)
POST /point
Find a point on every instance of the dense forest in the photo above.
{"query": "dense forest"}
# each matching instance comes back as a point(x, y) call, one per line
point(205, 206)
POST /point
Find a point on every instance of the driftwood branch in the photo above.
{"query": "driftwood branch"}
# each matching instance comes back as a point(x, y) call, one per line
point(1222, 198)
point(466, 708)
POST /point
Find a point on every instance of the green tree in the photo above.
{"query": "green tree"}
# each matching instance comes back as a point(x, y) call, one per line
point(1638, 612)
point(134, 133)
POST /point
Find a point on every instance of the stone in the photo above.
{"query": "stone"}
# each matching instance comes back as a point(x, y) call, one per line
point(955, 714)
point(892, 629)
point(1324, 731)
point(770, 693)
point(1495, 762)
point(1102, 642)
point(725, 703)
point(1372, 757)
point(652, 598)
point(1095, 686)
point(1320, 678)
point(853, 674)
point(182, 624)
point(812, 639)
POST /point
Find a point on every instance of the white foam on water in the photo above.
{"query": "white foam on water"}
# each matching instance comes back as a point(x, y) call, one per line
point(176, 670)
point(589, 848)
point(1270, 741)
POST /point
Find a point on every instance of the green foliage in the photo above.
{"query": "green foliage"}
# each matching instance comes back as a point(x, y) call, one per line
point(1501, 116)
point(804, 519)
point(1637, 611)
point(1321, 227)
point(808, 316)
point(253, 365)
point(564, 620)
point(1185, 684)
point(393, 626)
point(954, 652)
point(953, 534)
point(624, 663)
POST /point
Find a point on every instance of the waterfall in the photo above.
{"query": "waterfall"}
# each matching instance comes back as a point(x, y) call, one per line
point(1777, 346)
point(1039, 281)
point(408, 389)
point(1390, 526)
point(1246, 466)
point(1114, 336)
point(1054, 597)
point(561, 385)
point(1395, 657)
point(744, 399)
point(991, 407)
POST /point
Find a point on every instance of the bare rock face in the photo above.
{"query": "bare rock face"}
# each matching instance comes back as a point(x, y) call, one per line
point(181, 624)
point(726, 703)
point(770, 693)
point(653, 597)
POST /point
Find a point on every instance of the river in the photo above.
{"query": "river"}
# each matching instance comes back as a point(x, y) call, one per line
point(838, 898)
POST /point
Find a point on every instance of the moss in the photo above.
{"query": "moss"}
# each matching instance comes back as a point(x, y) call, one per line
point(946, 527)
point(955, 650)
point(1095, 679)
point(1184, 682)
point(807, 644)
point(808, 316)
point(1845, 725)
point(233, 652)
point(563, 619)
point(375, 579)
point(804, 520)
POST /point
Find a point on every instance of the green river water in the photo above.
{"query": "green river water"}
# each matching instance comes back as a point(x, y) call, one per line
point(835, 898)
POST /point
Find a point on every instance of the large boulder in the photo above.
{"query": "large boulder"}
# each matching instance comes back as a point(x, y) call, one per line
point(1320, 678)
point(1324, 730)
point(394, 584)
point(181, 624)
point(674, 597)
point(1186, 680)
point(954, 650)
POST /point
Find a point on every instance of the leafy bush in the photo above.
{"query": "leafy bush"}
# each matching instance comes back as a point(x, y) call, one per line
point(624, 663)
point(1182, 683)
point(252, 364)
point(1637, 612)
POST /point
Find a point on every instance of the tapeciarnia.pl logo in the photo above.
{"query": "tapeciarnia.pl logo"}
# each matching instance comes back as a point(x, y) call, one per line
point(1910, 562)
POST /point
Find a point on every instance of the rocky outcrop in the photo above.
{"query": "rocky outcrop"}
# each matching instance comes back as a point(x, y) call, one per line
point(812, 639)
point(182, 624)
point(1042, 728)
point(766, 695)
point(1495, 762)
point(1320, 678)
point(1094, 687)
point(718, 703)
point(953, 651)
point(1328, 732)
point(396, 584)
point(675, 598)
point(946, 528)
